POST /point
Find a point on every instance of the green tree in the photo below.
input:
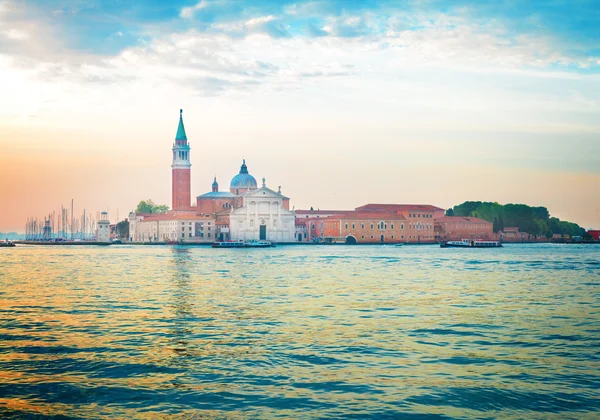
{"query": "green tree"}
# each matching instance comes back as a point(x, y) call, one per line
point(450, 212)
point(148, 206)
point(122, 229)
point(533, 220)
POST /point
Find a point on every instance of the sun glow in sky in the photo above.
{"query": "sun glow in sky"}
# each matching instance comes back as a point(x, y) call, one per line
point(340, 102)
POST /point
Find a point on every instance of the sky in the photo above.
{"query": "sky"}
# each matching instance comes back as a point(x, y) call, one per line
point(339, 102)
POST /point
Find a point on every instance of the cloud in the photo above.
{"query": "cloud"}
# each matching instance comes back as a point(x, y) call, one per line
point(250, 52)
point(188, 12)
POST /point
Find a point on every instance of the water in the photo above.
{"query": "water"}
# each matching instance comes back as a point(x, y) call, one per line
point(298, 331)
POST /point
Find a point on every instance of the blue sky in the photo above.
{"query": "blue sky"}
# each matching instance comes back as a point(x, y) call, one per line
point(358, 89)
point(93, 25)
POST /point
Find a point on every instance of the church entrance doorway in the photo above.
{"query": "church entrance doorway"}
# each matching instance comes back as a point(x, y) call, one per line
point(299, 237)
point(263, 232)
point(382, 239)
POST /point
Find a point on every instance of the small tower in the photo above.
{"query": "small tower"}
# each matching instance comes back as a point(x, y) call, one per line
point(215, 185)
point(47, 229)
point(103, 232)
point(181, 169)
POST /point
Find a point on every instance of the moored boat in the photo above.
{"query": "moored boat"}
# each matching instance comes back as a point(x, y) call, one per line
point(228, 244)
point(243, 244)
point(470, 243)
point(259, 244)
point(6, 244)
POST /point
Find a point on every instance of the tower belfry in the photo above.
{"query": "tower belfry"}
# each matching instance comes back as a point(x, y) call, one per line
point(181, 169)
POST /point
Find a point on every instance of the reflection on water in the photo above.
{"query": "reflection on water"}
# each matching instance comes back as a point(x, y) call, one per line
point(300, 331)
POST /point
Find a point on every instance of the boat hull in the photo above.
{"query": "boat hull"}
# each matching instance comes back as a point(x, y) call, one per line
point(470, 244)
point(240, 244)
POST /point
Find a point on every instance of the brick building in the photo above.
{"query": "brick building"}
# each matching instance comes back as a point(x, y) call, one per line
point(455, 228)
point(371, 223)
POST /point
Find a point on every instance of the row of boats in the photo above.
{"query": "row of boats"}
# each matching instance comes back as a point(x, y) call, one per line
point(243, 244)
point(465, 243)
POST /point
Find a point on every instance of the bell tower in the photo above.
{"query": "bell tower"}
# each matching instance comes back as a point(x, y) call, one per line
point(181, 168)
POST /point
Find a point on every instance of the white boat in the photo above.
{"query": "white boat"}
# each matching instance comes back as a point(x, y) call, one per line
point(228, 244)
point(470, 243)
point(259, 244)
point(243, 244)
point(6, 244)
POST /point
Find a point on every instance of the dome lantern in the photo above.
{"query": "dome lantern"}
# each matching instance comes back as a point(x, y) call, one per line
point(242, 182)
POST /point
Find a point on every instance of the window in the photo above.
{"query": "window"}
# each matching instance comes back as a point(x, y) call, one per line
point(190, 235)
point(190, 228)
point(371, 236)
point(362, 237)
point(346, 226)
point(392, 226)
point(362, 226)
point(392, 236)
point(419, 215)
point(371, 225)
point(209, 234)
point(352, 225)
point(182, 229)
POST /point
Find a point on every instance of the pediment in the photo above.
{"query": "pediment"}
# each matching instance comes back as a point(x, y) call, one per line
point(263, 192)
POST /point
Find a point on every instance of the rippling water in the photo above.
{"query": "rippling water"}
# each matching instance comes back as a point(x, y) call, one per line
point(300, 331)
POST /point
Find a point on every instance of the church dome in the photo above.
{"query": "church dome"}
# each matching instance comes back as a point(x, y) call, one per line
point(243, 179)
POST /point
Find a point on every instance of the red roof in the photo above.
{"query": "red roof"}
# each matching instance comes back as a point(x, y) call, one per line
point(370, 215)
point(359, 215)
point(398, 207)
point(308, 212)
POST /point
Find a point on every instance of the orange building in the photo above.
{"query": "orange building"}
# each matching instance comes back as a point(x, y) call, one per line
point(372, 223)
point(455, 228)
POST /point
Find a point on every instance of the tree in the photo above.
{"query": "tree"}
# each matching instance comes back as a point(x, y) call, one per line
point(533, 220)
point(450, 212)
point(122, 229)
point(148, 206)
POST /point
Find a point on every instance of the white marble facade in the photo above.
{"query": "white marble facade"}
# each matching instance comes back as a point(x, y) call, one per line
point(262, 216)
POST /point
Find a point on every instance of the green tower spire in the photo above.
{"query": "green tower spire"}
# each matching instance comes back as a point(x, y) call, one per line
point(181, 130)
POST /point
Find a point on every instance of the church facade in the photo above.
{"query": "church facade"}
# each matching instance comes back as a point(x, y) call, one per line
point(263, 215)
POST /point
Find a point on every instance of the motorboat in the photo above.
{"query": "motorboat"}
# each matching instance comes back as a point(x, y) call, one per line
point(259, 244)
point(6, 244)
point(243, 244)
point(470, 243)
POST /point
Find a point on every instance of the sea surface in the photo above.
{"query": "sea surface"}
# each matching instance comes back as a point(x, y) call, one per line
point(300, 332)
